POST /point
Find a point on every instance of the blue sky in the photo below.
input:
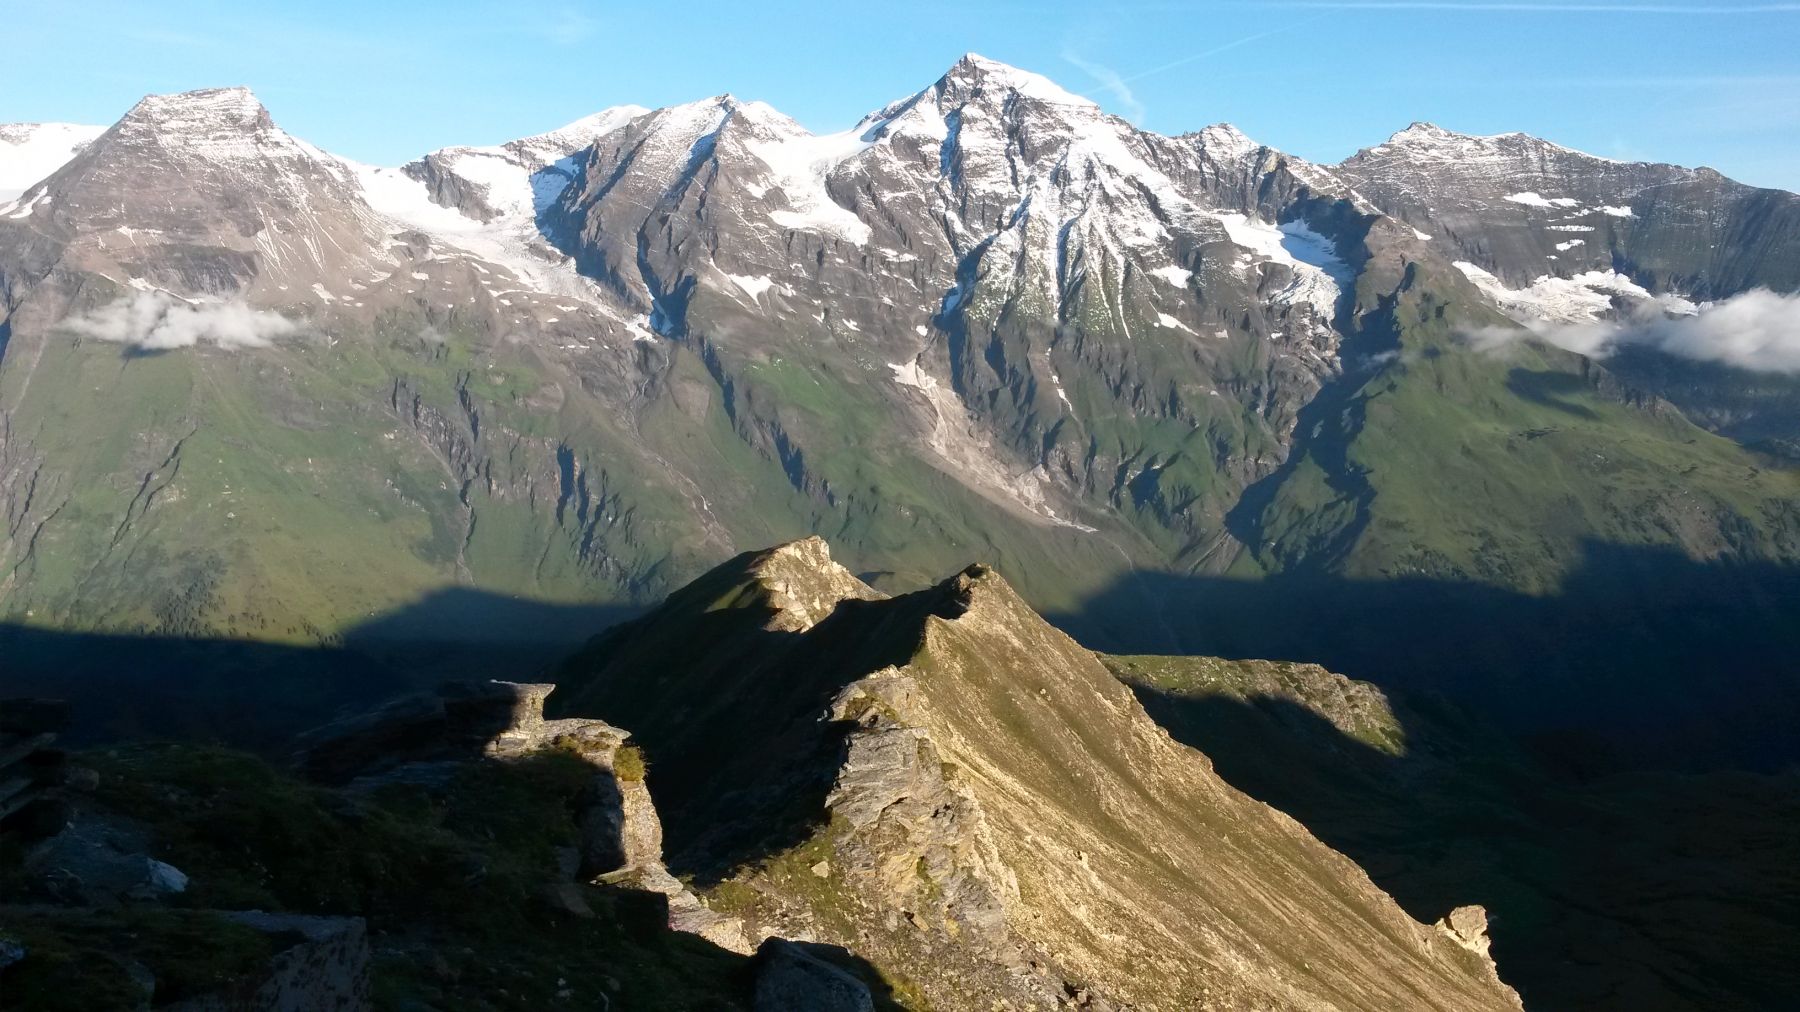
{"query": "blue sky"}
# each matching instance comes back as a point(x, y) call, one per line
point(1696, 82)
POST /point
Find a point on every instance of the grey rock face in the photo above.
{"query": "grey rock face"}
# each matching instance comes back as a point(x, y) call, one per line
point(322, 967)
point(1469, 926)
point(1522, 208)
point(916, 839)
point(976, 247)
point(791, 979)
point(100, 860)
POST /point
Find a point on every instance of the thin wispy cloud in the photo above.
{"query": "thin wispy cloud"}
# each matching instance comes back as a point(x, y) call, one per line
point(568, 27)
point(1112, 84)
point(1216, 50)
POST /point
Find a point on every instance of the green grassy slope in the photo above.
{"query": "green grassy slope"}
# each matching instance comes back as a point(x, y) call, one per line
point(1494, 466)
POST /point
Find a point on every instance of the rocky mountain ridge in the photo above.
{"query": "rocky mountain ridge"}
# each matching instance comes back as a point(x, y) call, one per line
point(999, 818)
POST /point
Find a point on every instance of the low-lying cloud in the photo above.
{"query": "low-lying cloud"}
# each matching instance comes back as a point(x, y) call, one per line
point(154, 321)
point(1757, 330)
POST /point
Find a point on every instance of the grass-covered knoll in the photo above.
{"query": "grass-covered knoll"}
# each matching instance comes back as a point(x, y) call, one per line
point(451, 885)
point(1357, 709)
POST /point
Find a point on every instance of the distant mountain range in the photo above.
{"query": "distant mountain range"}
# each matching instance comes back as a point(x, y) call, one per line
point(1187, 392)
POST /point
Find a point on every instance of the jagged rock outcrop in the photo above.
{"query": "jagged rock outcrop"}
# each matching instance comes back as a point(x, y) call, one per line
point(425, 734)
point(32, 770)
point(1468, 925)
point(423, 738)
point(997, 818)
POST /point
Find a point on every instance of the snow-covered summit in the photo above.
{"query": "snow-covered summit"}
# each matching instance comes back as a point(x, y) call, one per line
point(1227, 142)
point(977, 71)
point(499, 180)
point(1428, 142)
point(547, 147)
point(225, 127)
point(205, 111)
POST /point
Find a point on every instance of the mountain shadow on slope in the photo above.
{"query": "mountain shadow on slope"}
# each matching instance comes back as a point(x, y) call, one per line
point(1761, 410)
point(465, 860)
point(1557, 390)
point(1629, 892)
point(255, 695)
point(1641, 658)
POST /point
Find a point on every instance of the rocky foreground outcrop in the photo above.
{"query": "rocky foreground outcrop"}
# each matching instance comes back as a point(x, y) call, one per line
point(81, 891)
point(952, 789)
point(423, 738)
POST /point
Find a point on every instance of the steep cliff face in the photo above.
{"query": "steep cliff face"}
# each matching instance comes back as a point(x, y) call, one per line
point(981, 809)
point(1524, 208)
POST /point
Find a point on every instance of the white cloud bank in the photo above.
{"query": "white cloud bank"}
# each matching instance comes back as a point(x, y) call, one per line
point(155, 321)
point(1757, 330)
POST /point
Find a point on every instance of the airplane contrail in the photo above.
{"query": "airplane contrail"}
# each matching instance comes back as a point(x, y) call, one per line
point(1216, 50)
point(1540, 8)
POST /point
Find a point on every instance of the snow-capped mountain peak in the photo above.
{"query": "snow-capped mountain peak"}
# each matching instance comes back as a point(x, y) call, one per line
point(500, 180)
point(1225, 141)
point(551, 145)
point(191, 116)
point(1428, 142)
point(977, 72)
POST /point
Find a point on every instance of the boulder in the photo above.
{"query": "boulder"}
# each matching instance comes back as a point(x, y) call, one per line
point(789, 978)
point(11, 951)
point(1468, 926)
point(99, 860)
point(321, 965)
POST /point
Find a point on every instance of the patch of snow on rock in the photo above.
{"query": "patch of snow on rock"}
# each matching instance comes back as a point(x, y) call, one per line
point(1583, 298)
point(751, 286)
point(1319, 273)
point(798, 165)
point(1530, 199)
point(31, 151)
